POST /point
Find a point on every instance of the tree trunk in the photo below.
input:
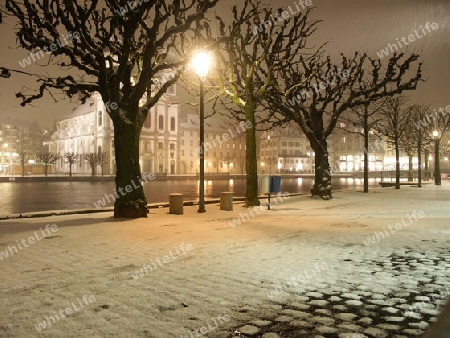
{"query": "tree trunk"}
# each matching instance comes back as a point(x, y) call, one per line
point(427, 168)
point(45, 169)
point(366, 151)
point(70, 169)
point(419, 160)
point(92, 170)
point(322, 176)
point(397, 164)
point(130, 197)
point(410, 168)
point(23, 170)
point(251, 163)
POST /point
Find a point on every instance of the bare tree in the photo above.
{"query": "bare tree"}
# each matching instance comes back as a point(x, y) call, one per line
point(394, 125)
point(103, 159)
point(252, 52)
point(92, 160)
point(318, 91)
point(130, 56)
point(71, 158)
point(365, 117)
point(23, 156)
point(47, 158)
point(420, 133)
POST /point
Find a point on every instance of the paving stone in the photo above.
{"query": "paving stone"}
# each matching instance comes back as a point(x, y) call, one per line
point(352, 335)
point(249, 330)
point(324, 312)
point(318, 302)
point(334, 299)
point(411, 314)
point(350, 327)
point(261, 323)
point(374, 332)
point(394, 319)
point(346, 316)
point(365, 320)
point(390, 309)
point(270, 335)
point(326, 329)
point(413, 332)
point(340, 307)
point(323, 320)
point(302, 323)
point(390, 327)
point(371, 307)
point(402, 294)
point(432, 312)
point(354, 302)
point(283, 319)
point(315, 295)
point(378, 296)
point(421, 325)
point(351, 296)
point(381, 302)
point(302, 298)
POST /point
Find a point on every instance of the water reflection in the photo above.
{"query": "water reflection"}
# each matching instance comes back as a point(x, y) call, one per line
point(18, 197)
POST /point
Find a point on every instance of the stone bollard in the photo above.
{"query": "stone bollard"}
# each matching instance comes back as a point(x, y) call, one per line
point(176, 204)
point(226, 201)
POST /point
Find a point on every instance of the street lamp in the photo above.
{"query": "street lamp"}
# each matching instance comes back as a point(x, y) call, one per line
point(201, 62)
point(437, 166)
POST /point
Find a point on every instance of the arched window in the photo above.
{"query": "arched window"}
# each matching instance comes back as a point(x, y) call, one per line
point(148, 121)
point(100, 118)
point(172, 124)
point(161, 122)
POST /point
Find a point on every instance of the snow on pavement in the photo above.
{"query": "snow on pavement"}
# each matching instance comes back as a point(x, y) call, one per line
point(304, 268)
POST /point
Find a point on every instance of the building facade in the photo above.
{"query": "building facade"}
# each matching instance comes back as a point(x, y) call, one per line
point(20, 141)
point(169, 140)
point(285, 151)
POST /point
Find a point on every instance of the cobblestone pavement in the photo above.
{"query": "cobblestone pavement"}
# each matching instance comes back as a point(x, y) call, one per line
point(299, 270)
point(360, 310)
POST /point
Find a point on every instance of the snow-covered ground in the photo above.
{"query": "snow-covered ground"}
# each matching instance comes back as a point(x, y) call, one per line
point(359, 265)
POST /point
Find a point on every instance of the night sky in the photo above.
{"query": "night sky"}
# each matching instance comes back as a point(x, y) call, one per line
point(349, 26)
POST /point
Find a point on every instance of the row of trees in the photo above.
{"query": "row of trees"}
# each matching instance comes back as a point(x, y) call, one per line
point(405, 127)
point(71, 158)
point(271, 75)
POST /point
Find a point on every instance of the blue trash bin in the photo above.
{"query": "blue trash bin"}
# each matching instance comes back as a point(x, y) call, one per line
point(275, 184)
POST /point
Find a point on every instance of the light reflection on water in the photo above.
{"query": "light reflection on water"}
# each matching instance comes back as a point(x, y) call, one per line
point(19, 197)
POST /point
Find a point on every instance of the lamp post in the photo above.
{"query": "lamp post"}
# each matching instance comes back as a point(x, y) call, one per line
point(201, 63)
point(437, 166)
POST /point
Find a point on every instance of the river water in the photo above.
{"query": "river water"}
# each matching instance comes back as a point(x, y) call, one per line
point(21, 197)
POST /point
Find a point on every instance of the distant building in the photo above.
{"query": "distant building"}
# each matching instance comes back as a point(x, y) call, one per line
point(288, 151)
point(348, 150)
point(89, 129)
point(169, 141)
point(19, 139)
point(224, 146)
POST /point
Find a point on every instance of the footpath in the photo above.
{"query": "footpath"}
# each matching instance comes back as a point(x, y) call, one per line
point(359, 265)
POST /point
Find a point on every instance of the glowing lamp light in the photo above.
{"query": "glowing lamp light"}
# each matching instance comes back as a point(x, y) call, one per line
point(201, 62)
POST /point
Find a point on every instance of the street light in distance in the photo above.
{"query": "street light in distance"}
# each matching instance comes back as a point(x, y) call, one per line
point(201, 62)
